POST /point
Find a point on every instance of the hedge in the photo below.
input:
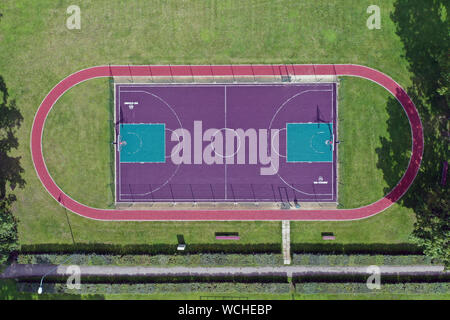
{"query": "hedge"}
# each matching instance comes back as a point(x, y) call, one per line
point(238, 288)
point(102, 248)
point(385, 278)
point(357, 248)
point(222, 259)
point(214, 289)
point(318, 248)
point(181, 278)
point(359, 259)
point(352, 288)
point(203, 259)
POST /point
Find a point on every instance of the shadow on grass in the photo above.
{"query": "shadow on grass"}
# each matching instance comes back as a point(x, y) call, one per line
point(424, 32)
point(395, 151)
point(423, 28)
point(10, 172)
point(10, 120)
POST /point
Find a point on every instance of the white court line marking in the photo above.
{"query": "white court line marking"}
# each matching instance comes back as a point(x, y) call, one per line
point(225, 160)
point(115, 147)
point(120, 174)
point(332, 153)
point(187, 85)
point(225, 86)
point(181, 126)
point(189, 200)
point(270, 127)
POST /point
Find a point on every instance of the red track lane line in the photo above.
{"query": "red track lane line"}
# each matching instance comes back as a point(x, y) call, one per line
point(217, 71)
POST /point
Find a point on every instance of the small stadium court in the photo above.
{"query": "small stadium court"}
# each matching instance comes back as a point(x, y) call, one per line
point(132, 213)
point(271, 142)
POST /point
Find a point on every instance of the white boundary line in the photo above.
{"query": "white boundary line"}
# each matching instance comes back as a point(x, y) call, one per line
point(274, 116)
point(336, 138)
point(332, 156)
point(228, 201)
point(179, 122)
point(228, 84)
point(225, 159)
point(118, 135)
point(146, 124)
point(115, 146)
point(332, 151)
point(129, 87)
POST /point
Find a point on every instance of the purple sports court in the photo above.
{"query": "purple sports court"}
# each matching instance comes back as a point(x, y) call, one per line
point(226, 142)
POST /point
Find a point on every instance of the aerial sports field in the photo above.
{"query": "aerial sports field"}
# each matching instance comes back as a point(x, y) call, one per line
point(271, 142)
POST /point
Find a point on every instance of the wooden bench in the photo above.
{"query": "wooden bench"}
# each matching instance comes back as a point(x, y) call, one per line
point(328, 236)
point(228, 238)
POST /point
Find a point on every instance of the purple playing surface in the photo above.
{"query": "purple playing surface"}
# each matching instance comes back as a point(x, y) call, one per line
point(219, 111)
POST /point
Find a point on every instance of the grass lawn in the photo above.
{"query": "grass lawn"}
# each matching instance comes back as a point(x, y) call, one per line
point(286, 296)
point(363, 124)
point(8, 291)
point(224, 296)
point(38, 51)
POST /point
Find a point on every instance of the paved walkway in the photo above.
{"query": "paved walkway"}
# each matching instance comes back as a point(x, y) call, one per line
point(37, 270)
point(286, 237)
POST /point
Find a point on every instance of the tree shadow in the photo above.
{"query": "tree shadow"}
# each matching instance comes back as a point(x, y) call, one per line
point(395, 151)
point(10, 171)
point(180, 239)
point(10, 120)
point(423, 29)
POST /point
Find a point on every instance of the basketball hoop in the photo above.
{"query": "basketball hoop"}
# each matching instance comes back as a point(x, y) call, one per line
point(120, 143)
point(330, 143)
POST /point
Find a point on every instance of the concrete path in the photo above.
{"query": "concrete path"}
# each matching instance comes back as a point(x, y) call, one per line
point(37, 270)
point(286, 237)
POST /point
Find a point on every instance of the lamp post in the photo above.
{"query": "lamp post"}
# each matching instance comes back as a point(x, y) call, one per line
point(42, 279)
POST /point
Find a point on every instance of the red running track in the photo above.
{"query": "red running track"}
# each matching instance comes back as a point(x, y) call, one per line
point(217, 71)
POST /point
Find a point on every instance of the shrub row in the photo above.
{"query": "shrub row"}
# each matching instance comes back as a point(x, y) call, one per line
point(181, 278)
point(238, 288)
point(352, 288)
point(385, 278)
point(359, 259)
point(161, 288)
point(102, 248)
point(203, 259)
point(357, 248)
point(221, 259)
point(317, 248)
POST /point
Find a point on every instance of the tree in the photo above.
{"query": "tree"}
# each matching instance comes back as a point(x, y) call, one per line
point(8, 229)
point(423, 29)
point(10, 171)
point(432, 229)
